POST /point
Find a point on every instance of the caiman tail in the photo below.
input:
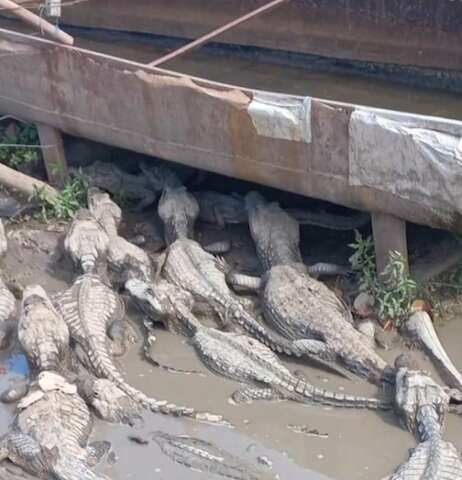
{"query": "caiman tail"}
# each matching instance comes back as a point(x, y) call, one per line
point(97, 302)
point(72, 469)
point(302, 391)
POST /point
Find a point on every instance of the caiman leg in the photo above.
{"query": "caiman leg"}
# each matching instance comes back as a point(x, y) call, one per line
point(327, 269)
point(241, 282)
point(96, 451)
point(317, 350)
point(247, 395)
point(148, 199)
point(217, 248)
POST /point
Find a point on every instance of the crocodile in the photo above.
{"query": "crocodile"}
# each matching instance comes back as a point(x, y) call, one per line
point(203, 456)
point(421, 405)
point(125, 259)
point(7, 314)
point(7, 300)
point(236, 356)
point(186, 264)
point(111, 178)
point(108, 400)
point(225, 209)
point(86, 241)
point(419, 328)
point(42, 332)
point(299, 307)
point(89, 307)
point(178, 209)
point(49, 437)
point(3, 239)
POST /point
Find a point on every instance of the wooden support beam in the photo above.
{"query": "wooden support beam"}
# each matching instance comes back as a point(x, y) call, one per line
point(36, 21)
point(218, 31)
point(23, 184)
point(53, 153)
point(389, 235)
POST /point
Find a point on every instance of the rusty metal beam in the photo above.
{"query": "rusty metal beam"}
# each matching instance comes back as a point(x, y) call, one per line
point(36, 21)
point(218, 31)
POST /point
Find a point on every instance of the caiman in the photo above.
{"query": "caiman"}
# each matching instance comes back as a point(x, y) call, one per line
point(50, 433)
point(203, 456)
point(419, 328)
point(299, 307)
point(188, 266)
point(86, 241)
point(236, 356)
point(224, 209)
point(42, 332)
point(89, 307)
point(125, 260)
point(421, 405)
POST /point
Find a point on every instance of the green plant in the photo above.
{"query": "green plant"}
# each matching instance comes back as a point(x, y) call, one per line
point(394, 291)
point(363, 261)
point(62, 207)
point(18, 156)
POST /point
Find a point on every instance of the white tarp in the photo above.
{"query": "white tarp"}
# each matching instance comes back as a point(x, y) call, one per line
point(416, 158)
point(280, 116)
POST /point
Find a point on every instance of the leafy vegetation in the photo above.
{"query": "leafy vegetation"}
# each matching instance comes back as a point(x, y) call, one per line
point(72, 197)
point(394, 291)
point(16, 157)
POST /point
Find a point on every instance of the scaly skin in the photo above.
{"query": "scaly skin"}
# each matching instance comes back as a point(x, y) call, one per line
point(109, 401)
point(105, 211)
point(88, 308)
point(86, 241)
point(125, 259)
point(188, 266)
point(299, 307)
point(419, 327)
point(7, 300)
point(222, 209)
point(42, 332)
point(236, 356)
point(178, 209)
point(203, 456)
point(50, 435)
point(109, 177)
point(421, 405)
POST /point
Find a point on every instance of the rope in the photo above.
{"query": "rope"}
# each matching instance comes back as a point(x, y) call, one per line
point(19, 145)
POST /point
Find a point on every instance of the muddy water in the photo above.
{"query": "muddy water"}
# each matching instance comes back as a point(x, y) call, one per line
point(341, 444)
point(252, 73)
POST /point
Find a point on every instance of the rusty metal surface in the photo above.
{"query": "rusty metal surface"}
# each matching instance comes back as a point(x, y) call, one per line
point(424, 33)
point(193, 121)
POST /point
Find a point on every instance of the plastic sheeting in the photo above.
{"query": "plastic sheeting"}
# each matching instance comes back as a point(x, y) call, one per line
point(416, 158)
point(281, 116)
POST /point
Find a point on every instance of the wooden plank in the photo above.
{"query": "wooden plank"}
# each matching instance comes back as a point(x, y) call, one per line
point(217, 32)
point(53, 154)
point(389, 236)
point(193, 121)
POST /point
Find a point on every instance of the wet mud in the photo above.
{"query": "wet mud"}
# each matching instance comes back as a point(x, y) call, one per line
point(285, 439)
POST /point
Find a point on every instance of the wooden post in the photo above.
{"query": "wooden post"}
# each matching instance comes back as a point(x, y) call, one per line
point(389, 235)
point(53, 154)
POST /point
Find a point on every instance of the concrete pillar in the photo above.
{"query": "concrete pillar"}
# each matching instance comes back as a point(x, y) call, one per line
point(53, 156)
point(389, 235)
